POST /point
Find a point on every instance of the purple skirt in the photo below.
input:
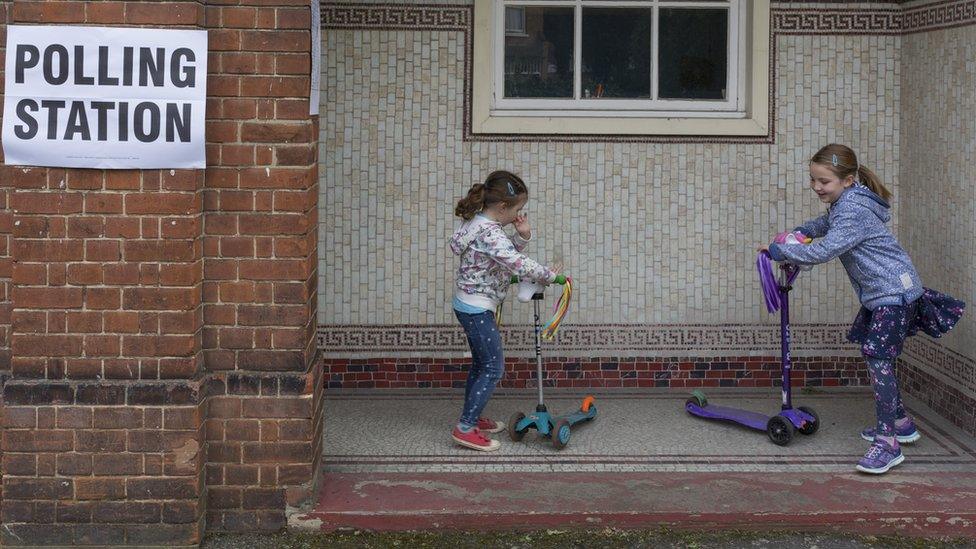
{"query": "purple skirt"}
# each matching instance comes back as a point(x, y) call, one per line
point(882, 332)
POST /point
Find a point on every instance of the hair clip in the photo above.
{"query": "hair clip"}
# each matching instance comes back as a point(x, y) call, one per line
point(833, 160)
point(511, 189)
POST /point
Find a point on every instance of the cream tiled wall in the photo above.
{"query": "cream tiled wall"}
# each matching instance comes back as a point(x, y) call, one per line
point(938, 166)
point(653, 233)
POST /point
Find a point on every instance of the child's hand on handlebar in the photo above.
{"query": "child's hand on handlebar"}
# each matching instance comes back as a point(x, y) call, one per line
point(787, 237)
point(556, 268)
point(792, 237)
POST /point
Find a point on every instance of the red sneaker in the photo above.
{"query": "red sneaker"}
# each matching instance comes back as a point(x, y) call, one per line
point(475, 440)
point(490, 426)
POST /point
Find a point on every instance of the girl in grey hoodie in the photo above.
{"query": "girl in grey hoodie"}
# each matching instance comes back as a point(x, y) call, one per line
point(894, 305)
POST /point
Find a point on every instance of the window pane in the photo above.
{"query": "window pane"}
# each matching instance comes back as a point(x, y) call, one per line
point(540, 64)
point(515, 20)
point(616, 52)
point(693, 53)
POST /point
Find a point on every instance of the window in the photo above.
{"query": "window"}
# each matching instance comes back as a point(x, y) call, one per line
point(616, 59)
point(515, 21)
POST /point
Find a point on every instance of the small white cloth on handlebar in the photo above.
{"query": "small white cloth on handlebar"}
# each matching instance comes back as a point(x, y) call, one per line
point(528, 288)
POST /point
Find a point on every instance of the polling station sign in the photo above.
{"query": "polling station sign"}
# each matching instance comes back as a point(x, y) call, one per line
point(105, 97)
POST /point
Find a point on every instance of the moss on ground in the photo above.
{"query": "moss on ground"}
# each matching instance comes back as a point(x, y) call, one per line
point(567, 539)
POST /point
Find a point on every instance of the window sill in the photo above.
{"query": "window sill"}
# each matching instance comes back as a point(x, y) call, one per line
point(647, 115)
point(635, 126)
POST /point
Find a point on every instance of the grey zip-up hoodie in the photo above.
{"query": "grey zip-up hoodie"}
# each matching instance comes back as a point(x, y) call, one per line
point(854, 229)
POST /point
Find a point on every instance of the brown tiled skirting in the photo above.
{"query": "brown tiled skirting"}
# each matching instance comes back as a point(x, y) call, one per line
point(943, 379)
point(593, 372)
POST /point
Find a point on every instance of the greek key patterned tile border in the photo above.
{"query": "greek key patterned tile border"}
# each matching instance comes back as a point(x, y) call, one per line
point(904, 20)
point(784, 20)
point(957, 368)
point(435, 17)
point(836, 21)
point(939, 15)
point(590, 340)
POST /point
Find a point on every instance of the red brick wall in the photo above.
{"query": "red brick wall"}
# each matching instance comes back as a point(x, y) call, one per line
point(163, 376)
point(6, 222)
point(260, 264)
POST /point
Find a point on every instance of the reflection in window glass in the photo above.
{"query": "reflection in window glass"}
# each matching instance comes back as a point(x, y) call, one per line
point(693, 53)
point(540, 62)
point(515, 20)
point(616, 53)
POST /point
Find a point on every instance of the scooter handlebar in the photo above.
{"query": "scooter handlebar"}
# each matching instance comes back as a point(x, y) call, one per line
point(560, 279)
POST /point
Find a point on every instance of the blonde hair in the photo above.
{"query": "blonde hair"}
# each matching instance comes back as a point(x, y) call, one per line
point(841, 160)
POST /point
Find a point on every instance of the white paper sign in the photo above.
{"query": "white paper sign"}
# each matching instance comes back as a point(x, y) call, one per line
point(105, 97)
point(313, 96)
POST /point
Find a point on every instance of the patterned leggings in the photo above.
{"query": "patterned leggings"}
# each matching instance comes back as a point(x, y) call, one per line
point(487, 363)
point(887, 399)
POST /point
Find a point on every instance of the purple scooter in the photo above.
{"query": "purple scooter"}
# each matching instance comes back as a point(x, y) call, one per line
point(780, 427)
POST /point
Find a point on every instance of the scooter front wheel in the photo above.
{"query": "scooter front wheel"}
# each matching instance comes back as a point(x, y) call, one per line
point(780, 430)
point(698, 399)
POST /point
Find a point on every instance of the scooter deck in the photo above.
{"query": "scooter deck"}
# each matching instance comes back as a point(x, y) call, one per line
point(579, 415)
point(753, 420)
point(543, 422)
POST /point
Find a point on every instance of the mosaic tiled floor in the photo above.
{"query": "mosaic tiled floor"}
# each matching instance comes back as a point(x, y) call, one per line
point(648, 431)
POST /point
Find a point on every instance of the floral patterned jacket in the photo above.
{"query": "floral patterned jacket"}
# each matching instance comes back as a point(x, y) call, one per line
point(488, 259)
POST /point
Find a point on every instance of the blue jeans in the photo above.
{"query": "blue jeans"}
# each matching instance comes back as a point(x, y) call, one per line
point(487, 363)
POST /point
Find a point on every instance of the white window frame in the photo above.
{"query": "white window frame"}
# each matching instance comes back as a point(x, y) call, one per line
point(578, 106)
point(745, 112)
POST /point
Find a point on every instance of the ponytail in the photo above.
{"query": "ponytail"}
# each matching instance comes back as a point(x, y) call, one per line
point(471, 204)
point(871, 180)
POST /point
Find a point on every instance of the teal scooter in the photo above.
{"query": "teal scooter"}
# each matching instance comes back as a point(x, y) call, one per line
point(558, 428)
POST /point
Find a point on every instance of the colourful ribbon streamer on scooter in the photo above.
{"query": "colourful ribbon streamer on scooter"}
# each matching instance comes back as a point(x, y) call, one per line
point(562, 307)
point(770, 287)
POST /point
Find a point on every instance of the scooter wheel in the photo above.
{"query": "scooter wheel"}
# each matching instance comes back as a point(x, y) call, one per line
point(780, 430)
point(810, 427)
point(512, 422)
point(561, 432)
point(697, 398)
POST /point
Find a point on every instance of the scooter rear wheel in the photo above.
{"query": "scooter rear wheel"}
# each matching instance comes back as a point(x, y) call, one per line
point(780, 430)
point(513, 421)
point(810, 427)
point(561, 432)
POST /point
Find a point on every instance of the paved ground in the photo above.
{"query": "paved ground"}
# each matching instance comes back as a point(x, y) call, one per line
point(409, 432)
point(389, 465)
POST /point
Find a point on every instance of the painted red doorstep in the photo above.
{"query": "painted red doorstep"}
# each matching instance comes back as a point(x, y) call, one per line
point(929, 504)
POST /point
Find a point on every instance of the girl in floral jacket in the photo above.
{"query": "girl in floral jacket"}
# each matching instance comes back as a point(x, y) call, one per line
point(488, 259)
